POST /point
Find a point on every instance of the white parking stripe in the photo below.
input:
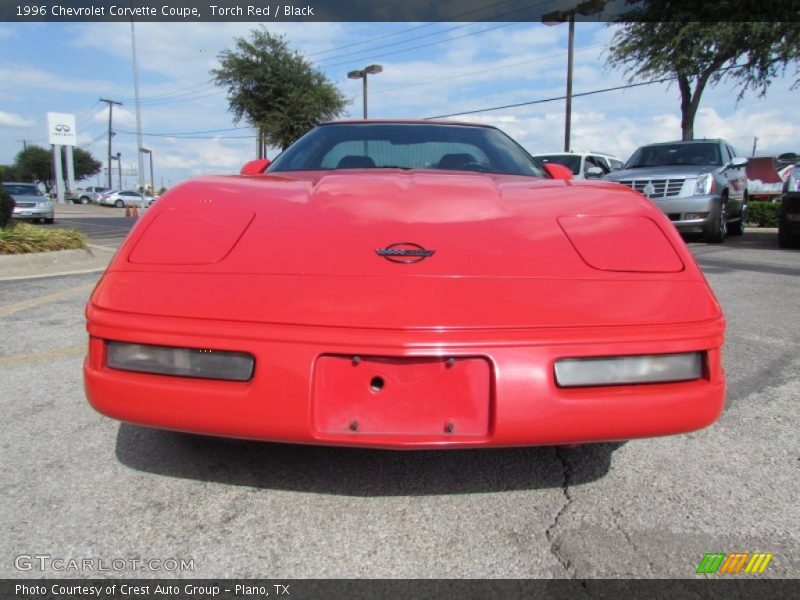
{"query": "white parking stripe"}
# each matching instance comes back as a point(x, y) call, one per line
point(10, 309)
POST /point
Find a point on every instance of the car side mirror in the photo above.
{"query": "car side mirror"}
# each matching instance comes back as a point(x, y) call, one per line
point(737, 161)
point(558, 171)
point(593, 173)
point(254, 167)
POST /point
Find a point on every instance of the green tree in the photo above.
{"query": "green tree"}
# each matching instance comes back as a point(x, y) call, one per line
point(275, 89)
point(85, 164)
point(36, 164)
point(702, 44)
point(8, 173)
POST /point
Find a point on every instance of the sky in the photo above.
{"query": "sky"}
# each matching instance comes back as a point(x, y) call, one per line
point(430, 69)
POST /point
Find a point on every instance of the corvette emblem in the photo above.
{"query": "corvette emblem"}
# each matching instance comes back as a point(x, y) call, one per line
point(649, 189)
point(404, 252)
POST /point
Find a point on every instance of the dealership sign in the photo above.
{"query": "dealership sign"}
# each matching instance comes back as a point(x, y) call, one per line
point(61, 128)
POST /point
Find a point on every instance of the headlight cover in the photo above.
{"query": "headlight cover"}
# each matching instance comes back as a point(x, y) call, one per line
point(704, 184)
point(626, 370)
point(180, 362)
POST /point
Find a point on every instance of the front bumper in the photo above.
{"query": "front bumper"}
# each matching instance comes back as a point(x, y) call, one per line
point(25, 213)
point(683, 211)
point(288, 401)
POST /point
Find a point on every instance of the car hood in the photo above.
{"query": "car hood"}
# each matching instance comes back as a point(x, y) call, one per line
point(665, 172)
point(507, 252)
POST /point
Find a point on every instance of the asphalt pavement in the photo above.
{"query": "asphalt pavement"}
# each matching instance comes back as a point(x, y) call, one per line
point(76, 484)
point(104, 226)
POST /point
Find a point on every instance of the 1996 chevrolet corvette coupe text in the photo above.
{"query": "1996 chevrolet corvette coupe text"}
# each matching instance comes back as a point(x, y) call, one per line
point(406, 285)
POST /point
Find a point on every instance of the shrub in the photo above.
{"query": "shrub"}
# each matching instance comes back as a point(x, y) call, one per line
point(763, 214)
point(6, 207)
point(24, 238)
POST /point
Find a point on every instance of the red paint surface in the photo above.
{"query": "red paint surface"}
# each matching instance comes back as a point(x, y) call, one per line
point(301, 283)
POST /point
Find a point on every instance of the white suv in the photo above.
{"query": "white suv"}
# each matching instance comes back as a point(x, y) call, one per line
point(584, 165)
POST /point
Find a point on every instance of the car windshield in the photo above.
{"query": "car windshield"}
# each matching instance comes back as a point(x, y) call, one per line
point(406, 146)
point(572, 162)
point(675, 154)
point(21, 189)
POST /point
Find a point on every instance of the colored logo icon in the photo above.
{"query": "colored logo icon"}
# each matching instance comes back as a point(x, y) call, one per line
point(737, 562)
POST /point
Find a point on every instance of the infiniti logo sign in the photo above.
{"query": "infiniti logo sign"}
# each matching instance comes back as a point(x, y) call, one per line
point(404, 252)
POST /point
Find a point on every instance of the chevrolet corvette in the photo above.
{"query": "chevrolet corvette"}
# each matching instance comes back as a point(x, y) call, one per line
point(406, 284)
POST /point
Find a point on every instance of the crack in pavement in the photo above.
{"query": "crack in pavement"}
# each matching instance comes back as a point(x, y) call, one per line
point(629, 540)
point(555, 543)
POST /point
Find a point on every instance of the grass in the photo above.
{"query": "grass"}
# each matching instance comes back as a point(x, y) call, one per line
point(23, 238)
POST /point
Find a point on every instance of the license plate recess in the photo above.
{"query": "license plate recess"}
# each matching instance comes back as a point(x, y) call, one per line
point(448, 396)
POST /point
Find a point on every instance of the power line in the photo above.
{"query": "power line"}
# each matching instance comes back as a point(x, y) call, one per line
point(176, 95)
point(192, 137)
point(180, 133)
point(553, 99)
point(416, 27)
point(492, 69)
point(589, 93)
point(436, 43)
point(395, 43)
point(176, 92)
point(182, 99)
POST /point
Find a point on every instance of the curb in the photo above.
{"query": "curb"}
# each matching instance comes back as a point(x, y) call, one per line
point(62, 262)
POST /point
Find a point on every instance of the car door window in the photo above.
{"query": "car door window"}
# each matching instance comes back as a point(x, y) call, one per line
point(595, 161)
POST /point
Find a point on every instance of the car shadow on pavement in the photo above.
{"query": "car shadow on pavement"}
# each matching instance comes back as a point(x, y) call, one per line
point(356, 471)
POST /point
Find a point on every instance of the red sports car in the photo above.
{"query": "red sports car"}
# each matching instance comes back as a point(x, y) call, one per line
point(406, 285)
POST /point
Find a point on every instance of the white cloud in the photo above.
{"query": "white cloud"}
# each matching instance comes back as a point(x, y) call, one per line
point(189, 61)
point(35, 78)
point(8, 119)
point(120, 117)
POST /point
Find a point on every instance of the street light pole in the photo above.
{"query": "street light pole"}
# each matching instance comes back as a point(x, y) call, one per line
point(364, 93)
point(362, 74)
point(589, 7)
point(568, 111)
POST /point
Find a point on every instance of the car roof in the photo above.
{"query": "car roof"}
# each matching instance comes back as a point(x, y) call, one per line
point(695, 141)
point(603, 154)
point(19, 183)
point(407, 122)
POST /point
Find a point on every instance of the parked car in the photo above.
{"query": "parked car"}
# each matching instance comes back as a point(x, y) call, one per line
point(124, 198)
point(405, 284)
point(30, 203)
point(86, 195)
point(584, 165)
point(700, 185)
point(789, 220)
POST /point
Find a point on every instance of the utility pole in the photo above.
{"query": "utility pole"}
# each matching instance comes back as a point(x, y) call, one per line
point(140, 163)
point(24, 144)
point(111, 104)
point(755, 143)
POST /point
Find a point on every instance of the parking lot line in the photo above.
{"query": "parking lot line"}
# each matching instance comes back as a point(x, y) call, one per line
point(58, 352)
point(10, 309)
